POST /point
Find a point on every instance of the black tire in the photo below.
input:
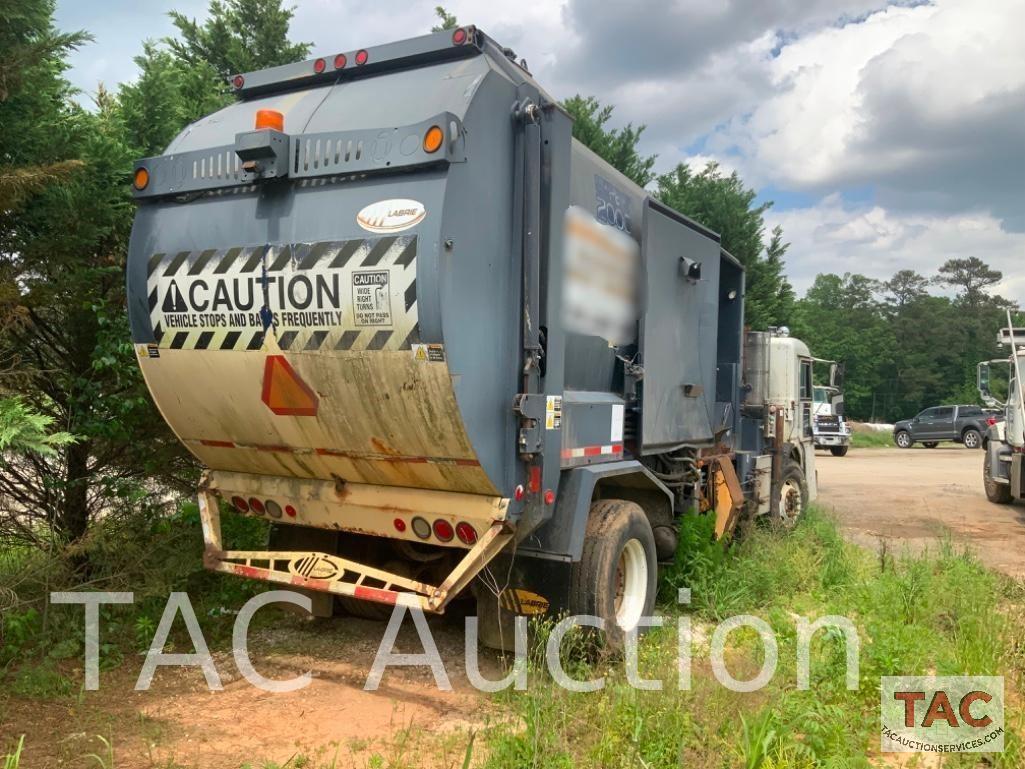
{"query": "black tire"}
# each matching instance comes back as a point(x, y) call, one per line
point(971, 438)
point(931, 444)
point(838, 451)
point(793, 492)
point(903, 439)
point(998, 493)
point(599, 579)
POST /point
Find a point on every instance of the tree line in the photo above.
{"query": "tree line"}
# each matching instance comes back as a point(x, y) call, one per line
point(79, 434)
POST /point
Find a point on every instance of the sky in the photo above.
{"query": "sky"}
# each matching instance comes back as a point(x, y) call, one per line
point(889, 135)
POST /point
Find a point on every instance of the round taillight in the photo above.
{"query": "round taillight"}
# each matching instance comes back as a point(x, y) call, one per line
point(443, 530)
point(273, 509)
point(421, 528)
point(141, 178)
point(399, 524)
point(290, 511)
point(459, 36)
point(361, 58)
point(240, 504)
point(466, 533)
point(549, 497)
point(238, 81)
point(319, 66)
point(256, 505)
point(340, 61)
point(519, 492)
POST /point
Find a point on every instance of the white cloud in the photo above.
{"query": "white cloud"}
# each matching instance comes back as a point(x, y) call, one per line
point(834, 237)
point(925, 103)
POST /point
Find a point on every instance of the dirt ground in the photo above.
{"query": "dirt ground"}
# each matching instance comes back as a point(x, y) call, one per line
point(333, 722)
point(913, 497)
point(908, 498)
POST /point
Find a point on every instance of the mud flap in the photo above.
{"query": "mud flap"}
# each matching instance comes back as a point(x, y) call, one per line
point(519, 586)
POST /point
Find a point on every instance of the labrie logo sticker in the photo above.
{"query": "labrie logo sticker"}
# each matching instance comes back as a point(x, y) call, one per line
point(395, 215)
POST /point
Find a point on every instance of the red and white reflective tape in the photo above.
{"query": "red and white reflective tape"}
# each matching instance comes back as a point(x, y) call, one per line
point(613, 449)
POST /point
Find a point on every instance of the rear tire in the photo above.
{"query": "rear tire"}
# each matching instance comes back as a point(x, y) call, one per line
point(616, 577)
point(931, 444)
point(998, 493)
point(971, 438)
point(838, 451)
point(903, 439)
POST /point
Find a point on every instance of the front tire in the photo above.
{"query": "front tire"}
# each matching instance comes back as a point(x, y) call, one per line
point(793, 494)
point(903, 439)
point(971, 439)
point(616, 577)
point(838, 451)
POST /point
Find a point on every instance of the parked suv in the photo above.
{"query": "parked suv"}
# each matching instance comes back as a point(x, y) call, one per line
point(960, 424)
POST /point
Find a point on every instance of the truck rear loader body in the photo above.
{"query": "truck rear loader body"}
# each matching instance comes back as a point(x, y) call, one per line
point(394, 308)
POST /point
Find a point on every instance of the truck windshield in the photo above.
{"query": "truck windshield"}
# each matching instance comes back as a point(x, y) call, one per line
point(820, 395)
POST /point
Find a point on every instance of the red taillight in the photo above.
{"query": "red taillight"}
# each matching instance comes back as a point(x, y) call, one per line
point(459, 36)
point(340, 61)
point(549, 497)
point(519, 492)
point(399, 524)
point(238, 81)
point(361, 58)
point(290, 511)
point(255, 505)
point(319, 66)
point(443, 530)
point(991, 421)
point(240, 504)
point(466, 533)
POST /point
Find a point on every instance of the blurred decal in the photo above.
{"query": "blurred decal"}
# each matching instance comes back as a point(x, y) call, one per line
point(394, 215)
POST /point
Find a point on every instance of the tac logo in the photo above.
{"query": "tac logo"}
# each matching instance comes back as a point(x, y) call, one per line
point(942, 714)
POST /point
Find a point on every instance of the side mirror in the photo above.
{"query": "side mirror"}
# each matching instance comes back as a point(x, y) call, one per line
point(836, 372)
point(982, 384)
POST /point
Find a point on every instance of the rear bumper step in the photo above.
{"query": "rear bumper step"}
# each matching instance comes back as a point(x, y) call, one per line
point(329, 573)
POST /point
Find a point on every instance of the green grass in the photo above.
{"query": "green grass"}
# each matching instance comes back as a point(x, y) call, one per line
point(871, 439)
point(940, 613)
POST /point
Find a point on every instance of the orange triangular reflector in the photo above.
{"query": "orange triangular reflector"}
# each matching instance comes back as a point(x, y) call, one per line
point(284, 392)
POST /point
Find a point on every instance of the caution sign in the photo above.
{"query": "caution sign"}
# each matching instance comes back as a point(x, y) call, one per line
point(429, 353)
point(371, 299)
point(343, 295)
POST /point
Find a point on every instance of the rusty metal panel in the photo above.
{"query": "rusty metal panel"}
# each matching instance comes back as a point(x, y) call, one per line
point(384, 417)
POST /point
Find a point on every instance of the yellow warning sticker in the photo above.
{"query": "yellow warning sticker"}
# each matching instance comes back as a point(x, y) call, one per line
point(429, 353)
point(553, 412)
point(524, 602)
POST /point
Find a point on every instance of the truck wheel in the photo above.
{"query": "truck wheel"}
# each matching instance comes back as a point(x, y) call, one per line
point(903, 439)
point(617, 575)
point(838, 451)
point(931, 444)
point(971, 438)
point(793, 494)
point(1000, 493)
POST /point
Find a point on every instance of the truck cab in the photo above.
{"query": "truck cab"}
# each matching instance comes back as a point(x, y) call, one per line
point(1003, 468)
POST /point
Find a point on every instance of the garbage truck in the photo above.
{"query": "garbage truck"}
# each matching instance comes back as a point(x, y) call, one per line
point(397, 311)
point(1003, 467)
